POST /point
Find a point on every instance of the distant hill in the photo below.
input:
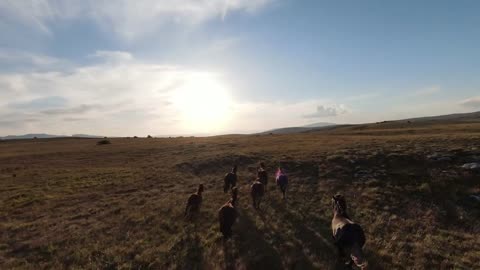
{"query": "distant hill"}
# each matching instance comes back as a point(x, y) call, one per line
point(86, 136)
point(403, 123)
point(464, 117)
point(45, 136)
point(319, 124)
point(307, 128)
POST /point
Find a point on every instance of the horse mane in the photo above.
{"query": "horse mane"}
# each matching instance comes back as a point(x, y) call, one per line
point(200, 189)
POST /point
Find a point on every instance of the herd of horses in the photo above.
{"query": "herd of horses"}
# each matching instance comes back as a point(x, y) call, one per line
point(348, 236)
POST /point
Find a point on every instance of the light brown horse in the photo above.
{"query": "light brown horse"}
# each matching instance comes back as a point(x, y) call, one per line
point(349, 236)
point(194, 202)
point(227, 215)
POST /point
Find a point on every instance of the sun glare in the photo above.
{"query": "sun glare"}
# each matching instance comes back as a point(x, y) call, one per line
point(204, 104)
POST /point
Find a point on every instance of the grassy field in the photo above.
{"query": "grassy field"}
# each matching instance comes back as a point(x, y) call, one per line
point(70, 203)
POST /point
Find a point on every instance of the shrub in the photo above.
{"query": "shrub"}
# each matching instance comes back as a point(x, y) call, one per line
point(149, 137)
point(103, 142)
point(425, 188)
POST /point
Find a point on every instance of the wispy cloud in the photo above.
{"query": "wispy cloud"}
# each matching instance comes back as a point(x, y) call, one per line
point(473, 102)
point(365, 96)
point(74, 119)
point(427, 91)
point(40, 103)
point(129, 19)
point(113, 56)
point(78, 110)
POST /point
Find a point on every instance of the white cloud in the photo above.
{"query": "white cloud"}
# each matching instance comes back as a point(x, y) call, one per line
point(327, 111)
point(126, 97)
point(127, 18)
point(473, 102)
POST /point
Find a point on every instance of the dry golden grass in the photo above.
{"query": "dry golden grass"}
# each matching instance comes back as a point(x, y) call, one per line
point(78, 205)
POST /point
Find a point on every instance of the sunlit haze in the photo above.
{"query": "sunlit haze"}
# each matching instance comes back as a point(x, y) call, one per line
point(164, 67)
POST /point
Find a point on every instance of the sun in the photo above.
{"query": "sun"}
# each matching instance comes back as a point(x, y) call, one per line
point(204, 104)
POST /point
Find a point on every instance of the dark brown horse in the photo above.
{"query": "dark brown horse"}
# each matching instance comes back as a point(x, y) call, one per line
point(257, 190)
point(349, 236)
point(193, 203)
point(230, 179)
point(227, 215)
point(262, 175)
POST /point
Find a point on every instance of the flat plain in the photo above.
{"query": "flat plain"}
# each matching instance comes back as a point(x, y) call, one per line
point(73, 204)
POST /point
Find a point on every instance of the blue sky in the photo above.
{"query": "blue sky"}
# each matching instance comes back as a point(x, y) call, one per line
point(209, 67)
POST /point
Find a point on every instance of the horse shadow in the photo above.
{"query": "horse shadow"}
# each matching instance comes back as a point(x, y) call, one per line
point(248, 249)
point(318, 241)
point(317, 237)
point(187, 252)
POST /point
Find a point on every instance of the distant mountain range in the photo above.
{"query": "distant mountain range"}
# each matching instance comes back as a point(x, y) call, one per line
point(46, 136)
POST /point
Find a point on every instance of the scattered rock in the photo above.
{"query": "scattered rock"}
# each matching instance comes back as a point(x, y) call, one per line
point(474, 166)
point(362, 174)
point(440, 157)
point(475, 197)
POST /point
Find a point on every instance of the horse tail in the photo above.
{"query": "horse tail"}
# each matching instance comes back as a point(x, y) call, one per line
point(358, 257)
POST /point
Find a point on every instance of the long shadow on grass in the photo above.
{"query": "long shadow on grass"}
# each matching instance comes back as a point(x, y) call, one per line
point(187, 252)
point(252, 249)
point(316, 241)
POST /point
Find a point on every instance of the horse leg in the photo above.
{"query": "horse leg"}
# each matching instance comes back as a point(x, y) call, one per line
point(225, 187)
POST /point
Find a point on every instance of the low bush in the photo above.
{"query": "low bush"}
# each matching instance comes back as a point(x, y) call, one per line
point(102, 142)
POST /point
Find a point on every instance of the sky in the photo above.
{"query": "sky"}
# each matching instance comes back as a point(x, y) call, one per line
point(173, 67)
